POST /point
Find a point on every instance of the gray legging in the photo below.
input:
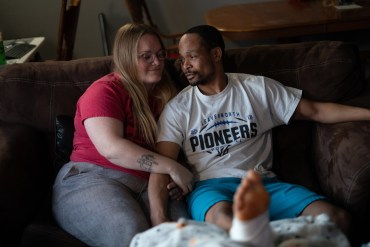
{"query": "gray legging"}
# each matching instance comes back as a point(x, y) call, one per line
point(100, 206)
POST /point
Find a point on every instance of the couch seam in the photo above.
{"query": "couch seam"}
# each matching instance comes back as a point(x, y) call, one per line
point(21, 80)
point(51, 105)
point(354, 180)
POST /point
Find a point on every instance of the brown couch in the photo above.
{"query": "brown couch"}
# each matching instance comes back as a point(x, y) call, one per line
point(330, 159)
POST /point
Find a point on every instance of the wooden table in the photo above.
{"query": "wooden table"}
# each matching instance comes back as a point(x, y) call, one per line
point(284, 19)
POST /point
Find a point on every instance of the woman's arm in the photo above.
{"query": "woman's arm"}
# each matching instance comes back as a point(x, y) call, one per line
point(107, 136)
point(329, 112)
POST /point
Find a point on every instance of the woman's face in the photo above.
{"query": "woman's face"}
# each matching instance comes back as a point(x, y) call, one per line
point(150, 62)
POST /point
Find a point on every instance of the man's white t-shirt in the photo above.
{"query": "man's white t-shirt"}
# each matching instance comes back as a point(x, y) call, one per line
point(225, 134)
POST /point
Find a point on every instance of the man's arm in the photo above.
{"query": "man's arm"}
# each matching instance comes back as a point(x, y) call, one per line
point(158, 192)
point(329, 112)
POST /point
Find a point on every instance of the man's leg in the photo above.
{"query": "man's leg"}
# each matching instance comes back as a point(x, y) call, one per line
point(250, 201)
point(221, 214)
point(339, 216)
point(292, 200)
point(247, 218)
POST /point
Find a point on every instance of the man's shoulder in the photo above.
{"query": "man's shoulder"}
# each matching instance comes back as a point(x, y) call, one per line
point(183, 95)
point(179, 104)
point(242, 76)
point(244, 80)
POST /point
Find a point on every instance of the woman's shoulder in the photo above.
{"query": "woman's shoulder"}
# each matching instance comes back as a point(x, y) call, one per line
point(106, 86)
point(110, 81)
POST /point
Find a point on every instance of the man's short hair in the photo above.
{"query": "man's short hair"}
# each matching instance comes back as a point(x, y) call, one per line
point(211, 37)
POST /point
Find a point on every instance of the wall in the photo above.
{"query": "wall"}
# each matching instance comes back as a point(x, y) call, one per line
point(25, 18)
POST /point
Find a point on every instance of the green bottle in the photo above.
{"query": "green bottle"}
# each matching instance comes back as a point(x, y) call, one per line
point(2, 50)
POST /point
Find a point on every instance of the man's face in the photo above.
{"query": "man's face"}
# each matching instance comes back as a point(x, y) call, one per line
point(196, 61)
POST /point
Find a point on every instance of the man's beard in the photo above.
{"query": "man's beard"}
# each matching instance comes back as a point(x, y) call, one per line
point(200, 80)
point(197, 82)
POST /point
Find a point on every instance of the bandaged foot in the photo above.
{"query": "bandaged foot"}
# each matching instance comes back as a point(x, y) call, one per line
point(251, 198)
point(250, 208)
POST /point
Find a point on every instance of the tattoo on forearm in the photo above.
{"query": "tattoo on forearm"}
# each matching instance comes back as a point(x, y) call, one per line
point(146, 161)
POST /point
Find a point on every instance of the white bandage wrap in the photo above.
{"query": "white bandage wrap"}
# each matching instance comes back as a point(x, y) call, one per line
point(256, 231)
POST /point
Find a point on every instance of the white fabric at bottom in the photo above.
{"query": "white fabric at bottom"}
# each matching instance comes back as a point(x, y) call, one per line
point(303, 231)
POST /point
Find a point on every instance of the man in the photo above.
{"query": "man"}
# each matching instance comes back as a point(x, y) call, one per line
point(223, 124)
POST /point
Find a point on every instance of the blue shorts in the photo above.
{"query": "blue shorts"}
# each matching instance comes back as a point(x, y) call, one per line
point(286, 200)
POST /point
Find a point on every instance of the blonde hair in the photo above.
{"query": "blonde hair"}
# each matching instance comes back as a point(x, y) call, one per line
point(125, 55)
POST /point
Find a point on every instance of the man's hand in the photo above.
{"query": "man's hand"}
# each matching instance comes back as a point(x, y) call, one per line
point(174, 191)
point(183, 178)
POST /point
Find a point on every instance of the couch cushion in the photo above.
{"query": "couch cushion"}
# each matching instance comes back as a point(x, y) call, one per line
point(24, 179)
point(292, 155)
point(44, 231)
point(35, 93)
point(48, 234)
point(342, 157)
point(325, 70)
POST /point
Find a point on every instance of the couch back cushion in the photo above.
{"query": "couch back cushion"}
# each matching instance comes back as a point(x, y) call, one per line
point(325, 70)
point(34, 93)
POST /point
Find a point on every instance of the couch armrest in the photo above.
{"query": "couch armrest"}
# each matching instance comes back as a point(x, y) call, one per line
point(23, 178)
point(342, 159)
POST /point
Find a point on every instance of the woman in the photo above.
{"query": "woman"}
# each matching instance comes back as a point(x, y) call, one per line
point(100, 196)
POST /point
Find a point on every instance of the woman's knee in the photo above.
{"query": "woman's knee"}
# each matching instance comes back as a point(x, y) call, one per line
point(102, 214)
point(121, 231)
point(105, 227)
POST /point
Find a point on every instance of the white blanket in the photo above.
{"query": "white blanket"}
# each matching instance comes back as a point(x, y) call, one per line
point(301, 231)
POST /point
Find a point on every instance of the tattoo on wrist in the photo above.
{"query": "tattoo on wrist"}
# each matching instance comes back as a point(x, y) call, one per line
point(146, 161)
